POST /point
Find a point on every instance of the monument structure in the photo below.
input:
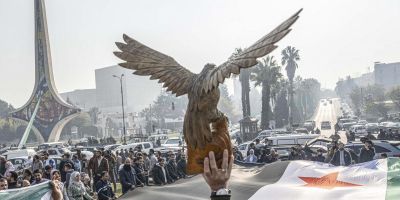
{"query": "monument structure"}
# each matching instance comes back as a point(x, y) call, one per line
point(46, 113)
point(205, 128)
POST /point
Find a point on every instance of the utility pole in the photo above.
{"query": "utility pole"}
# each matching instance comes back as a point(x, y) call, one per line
point(123, 110)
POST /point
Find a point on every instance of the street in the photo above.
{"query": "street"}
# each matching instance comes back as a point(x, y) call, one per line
point(329, 112)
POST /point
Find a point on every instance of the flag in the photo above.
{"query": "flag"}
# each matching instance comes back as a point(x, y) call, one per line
point(374, 180)
point(35, 192)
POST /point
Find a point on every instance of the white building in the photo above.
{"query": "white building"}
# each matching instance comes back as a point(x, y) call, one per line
point(387, 74)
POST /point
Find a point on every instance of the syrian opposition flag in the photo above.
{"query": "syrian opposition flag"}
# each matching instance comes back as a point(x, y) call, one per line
point(300, 180)
point(36, 192)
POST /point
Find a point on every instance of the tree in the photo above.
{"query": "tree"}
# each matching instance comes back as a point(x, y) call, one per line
point(290, 56)
point(266, 74)
point(356, 99)
point(394, 95)
point(5, 109)
point(281, 109)
point(226, 104)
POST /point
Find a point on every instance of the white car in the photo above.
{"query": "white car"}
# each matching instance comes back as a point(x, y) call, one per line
point(145, 147)
point(172, 142)
point(19, 153)
point(359, 130)
point(58, 152)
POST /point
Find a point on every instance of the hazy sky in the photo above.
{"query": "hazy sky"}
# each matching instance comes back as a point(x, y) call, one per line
point(335, 38)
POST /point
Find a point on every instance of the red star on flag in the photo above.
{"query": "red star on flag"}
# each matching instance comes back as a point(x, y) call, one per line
point(328, 181)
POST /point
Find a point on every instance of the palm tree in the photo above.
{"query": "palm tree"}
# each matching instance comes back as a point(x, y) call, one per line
point(244, 78)
point(289, 57)
point(266, 74)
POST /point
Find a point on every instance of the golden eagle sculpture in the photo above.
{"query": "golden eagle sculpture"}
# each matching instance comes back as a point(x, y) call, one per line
point(205, 127)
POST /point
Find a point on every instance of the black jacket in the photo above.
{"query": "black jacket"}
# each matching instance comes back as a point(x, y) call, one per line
point(127, 178)
point(61, 169)
point(139, 171)
point(336, 158)
point(366, 155)
point(181, 168)
point(104, 190)
point(158, 175)
point(172, 170)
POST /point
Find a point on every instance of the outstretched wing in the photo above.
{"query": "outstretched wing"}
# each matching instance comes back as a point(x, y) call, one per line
point(248, 57)
point(148, 62)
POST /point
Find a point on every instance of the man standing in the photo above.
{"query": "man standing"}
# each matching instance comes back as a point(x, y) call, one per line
point(48, 161)
point(341, 157)
point(251, 158)
point(139, 171)
point(97, 165)
point(66, 159)
point(103, 188)
point(2, 165)
point(111, 165)
point(153, 159)
point(3, 184)
point(160, 174)
point(127, 177)
point(367, 152)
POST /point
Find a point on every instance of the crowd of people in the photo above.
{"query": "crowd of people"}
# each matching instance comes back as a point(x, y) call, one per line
point(337, 154)
point(77, 178)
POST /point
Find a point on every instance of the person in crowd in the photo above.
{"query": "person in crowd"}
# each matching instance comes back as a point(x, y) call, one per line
point(263, 157)
point(13, 181)
point(367, 152)
point(146, 167)
point(48, 161)
point(112, 162)
point(79, 154)
point(77, 163)
point(252, 146)
point(36, 163)
point(158, 142)
point(331, 151)
point(103, 188)
point(68, 171)
point(28, 176)
point(384, 156)
point(382, 134)
point(9, 168)
point(295, 154)
point(84, 164)
point(251, 158)
point(139, 171)
point(341, 157)
point(258, 144)
point(66, 160)
point(237, 154)
point(127, 177)
point(370, 136)
point(97, 165)
point(273, 156)
point(319, 157)
point(160, 173)
point(3, 184)
point(47, 172)
point(88, 187)
point(38, 177)
point(238, 140)
point(217, 178)
point(2, 165)
point(153, 159)
point(354, 156)
point(181, 166)
point(172, 167)
point(56, 179)
point(178, 155)
point(76, 190)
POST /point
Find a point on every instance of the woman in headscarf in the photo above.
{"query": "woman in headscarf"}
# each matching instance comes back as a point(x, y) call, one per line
point(76, 190)
point(56, 179)
point(9, 168)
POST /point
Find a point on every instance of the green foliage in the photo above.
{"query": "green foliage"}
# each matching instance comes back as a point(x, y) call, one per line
point(226, 104)
point(394, 95)
point(290, 56)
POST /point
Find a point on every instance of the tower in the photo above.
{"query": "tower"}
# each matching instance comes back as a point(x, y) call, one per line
point(52, 111)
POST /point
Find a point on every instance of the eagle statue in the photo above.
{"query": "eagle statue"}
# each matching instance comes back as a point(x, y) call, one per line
point(205, 127)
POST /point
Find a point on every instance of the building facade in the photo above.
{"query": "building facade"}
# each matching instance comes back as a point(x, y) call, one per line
point(387, 74)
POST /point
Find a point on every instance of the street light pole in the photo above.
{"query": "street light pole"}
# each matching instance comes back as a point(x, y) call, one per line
point(123, 110)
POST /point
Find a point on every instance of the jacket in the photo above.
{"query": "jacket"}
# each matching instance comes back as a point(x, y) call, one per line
point(172, 169)
point(158, 175)
point(139, 171)
point(104, 190)
point(127, 178)
point(181, 168)
point(366, 155)
point(96, 168)
point(336, 158)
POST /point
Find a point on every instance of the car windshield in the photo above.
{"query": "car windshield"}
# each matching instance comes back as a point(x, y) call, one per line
point(172, 141)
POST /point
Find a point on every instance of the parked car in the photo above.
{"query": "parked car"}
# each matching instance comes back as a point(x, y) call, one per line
point(48, 145)
point(362, 122)
point(172, 142)
point(144, 146)
point(359, 130)
point(391, 148)
point(372, 127)
point(325, 125)
point(21, 162)
point(19, 153)
point(56, 151)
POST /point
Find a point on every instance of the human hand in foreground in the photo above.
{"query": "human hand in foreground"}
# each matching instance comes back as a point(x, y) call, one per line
point(217, 178)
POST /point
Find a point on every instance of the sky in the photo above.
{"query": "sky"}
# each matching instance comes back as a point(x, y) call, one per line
point(335, 38)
